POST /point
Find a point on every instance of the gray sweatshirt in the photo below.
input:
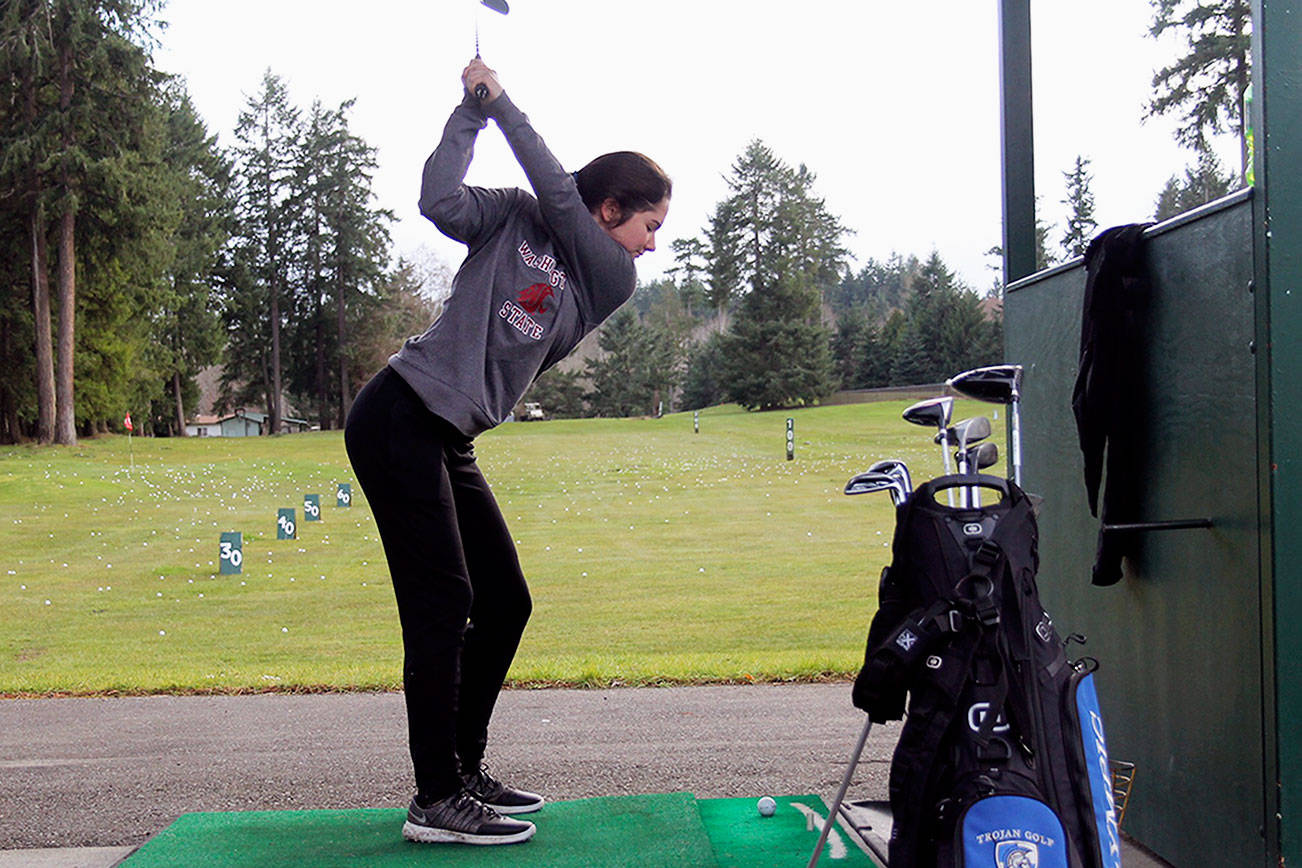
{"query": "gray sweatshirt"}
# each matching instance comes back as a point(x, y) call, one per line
point(539, 275)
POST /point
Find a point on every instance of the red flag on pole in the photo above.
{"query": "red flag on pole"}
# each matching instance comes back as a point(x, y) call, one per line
point(127, 422)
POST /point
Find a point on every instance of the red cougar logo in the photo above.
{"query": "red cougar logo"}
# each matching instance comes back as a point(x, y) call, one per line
point(534, 298)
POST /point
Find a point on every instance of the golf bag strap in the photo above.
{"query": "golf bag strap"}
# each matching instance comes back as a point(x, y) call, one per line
point(934, 703)
point(977, 587)
point(916, 635)
point(991, 747)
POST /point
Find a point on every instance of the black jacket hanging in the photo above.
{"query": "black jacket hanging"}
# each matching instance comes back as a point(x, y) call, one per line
point(1109, 395)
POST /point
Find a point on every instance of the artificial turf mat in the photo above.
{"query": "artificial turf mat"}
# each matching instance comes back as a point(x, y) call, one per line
point(741, 838)
point(672, 830)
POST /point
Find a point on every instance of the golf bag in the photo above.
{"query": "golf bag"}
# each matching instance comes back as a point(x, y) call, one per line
point(1001, 762)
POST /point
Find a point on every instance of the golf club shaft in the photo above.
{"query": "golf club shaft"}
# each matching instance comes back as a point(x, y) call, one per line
point(835, 810)
point(961, 460)
point(481, 91)
point(944, 455)
point(1015, 419)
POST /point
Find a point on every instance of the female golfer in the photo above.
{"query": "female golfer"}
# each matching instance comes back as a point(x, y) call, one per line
point(539, 275)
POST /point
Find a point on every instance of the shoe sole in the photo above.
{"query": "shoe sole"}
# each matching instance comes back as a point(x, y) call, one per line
point(432, 835)
point(517, 809)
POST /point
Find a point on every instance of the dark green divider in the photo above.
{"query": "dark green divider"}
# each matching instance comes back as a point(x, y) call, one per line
point(1179, 639)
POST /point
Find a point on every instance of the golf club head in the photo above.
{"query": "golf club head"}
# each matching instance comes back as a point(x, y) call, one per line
point(963, 433)
point(978, 457)
point(933, 412)
point(997, 384)
point(873, 480)
point(498, 6)
point(898, 469)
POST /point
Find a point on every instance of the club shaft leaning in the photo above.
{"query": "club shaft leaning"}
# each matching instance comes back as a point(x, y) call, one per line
point(835, 810)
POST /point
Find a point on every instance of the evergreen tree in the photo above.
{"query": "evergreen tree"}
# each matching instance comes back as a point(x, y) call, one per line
point(78, 100)
point(690, 273)
point(360, 241)
point(944, 330)
point(861, 356)
point(1203, 182)
point(621, 381)
point(267, 132)
point(669, 325)
point(308, 336)
point(1044, 256)
point(379, 322)
point(704, 384)
point(18, 385)
point(785, 250)
point(1207, 83)
point(109, 128)
point(26, 138)
point(1080, 209)
point(724, 279)
point(189, 335)
point(560, 393)
point(878, 288)
point(853, 332)
point(892, 337)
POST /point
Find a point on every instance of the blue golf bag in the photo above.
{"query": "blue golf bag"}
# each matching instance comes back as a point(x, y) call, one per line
point(1002, 760)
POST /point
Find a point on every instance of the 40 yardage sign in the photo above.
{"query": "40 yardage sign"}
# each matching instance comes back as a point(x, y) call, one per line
point(286, 525)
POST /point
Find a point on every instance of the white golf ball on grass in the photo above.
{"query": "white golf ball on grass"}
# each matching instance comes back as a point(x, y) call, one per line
point(767, 806)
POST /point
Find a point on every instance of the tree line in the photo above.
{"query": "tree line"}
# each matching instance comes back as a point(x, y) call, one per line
point(722, 327)
point(135, 252)
point(764, 310)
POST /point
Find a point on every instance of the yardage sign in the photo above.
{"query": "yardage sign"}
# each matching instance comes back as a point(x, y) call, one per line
point(311, 507)
point(791, 439)
point(344, 495)
point(230, 552)
point(286, 527)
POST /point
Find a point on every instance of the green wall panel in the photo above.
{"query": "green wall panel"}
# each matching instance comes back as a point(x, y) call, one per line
point(1179, 638)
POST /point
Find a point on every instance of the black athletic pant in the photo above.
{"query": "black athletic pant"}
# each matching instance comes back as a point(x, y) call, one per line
point(462, 599)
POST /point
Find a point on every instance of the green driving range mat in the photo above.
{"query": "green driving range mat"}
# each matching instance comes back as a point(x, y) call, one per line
point(741, 838)
point(642, 831)
point(672, 830)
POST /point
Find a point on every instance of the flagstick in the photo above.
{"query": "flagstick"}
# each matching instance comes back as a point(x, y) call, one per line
point(131, 451)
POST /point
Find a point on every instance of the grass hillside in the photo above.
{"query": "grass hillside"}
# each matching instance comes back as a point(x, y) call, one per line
point(655, 555)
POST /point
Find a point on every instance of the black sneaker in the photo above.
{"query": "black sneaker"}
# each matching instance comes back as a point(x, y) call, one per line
point(462, 819)
point(500, 797)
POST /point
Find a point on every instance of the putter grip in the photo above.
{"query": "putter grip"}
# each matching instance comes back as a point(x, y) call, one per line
point(481, 91)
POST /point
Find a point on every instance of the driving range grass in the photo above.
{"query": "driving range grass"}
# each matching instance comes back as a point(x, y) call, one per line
point(655, 555)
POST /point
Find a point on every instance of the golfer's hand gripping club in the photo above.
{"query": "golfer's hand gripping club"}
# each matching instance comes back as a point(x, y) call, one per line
point(481, 81)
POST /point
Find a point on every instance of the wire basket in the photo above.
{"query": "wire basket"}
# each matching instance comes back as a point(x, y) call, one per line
point(1123, 775)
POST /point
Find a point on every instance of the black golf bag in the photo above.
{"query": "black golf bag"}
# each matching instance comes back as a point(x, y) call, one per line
point(1001, 762)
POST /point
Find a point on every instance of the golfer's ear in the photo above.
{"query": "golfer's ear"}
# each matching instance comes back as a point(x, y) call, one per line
point(611, 212)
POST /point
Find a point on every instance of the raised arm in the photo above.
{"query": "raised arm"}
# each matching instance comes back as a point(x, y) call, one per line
point(602, 265)
point(463, 213)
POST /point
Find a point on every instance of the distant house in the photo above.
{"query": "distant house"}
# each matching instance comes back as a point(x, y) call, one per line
point(241, 423)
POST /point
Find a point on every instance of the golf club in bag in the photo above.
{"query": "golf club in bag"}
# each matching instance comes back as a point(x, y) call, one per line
point(963, 434)
point(1002, 759)
point(934, 413)
point(998, 384)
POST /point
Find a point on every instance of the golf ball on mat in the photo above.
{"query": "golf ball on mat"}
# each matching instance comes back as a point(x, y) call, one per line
point(767, 806)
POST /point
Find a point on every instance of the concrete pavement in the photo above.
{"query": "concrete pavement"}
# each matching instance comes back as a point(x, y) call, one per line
point(109, 773)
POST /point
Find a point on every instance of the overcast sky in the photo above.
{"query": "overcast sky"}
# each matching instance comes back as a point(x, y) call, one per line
point(894, 106)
